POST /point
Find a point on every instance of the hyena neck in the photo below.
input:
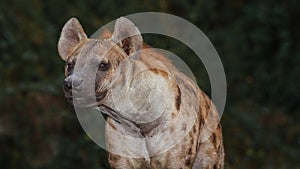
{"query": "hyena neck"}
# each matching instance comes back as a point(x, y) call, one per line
point(127, 125)
point(156, 126)
point(120, 123)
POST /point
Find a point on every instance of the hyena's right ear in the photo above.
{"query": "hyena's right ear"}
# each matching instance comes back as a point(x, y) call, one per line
point(127, 35)
point(72, 34)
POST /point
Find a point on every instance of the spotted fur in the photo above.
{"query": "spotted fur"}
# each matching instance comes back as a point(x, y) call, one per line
point(190, 109)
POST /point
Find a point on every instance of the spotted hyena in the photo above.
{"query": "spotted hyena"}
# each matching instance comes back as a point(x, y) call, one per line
point(156, 117)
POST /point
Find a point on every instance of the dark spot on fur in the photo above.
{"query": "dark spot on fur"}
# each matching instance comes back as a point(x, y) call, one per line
point(178, 98)
point(201, 119)
point(173, 115)
point(194, 129)
point(190, 151)
point(208, 103)
point(192, 141)
point(183, 127)
point(214, 139)
point(200, 109)
point(187, 162)
point(215, 167)
point(160, 72)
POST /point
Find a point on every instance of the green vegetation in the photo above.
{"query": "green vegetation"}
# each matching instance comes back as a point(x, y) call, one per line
point(258, 43)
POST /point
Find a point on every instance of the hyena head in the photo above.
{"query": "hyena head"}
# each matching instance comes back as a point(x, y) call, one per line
point(92, 63)
point(111, 73)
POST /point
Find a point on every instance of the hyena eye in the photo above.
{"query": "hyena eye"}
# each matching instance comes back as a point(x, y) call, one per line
point(69, 67)
point(103, 66)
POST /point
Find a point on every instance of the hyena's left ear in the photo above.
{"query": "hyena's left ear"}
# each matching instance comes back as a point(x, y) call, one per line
point(127, 35)
point(72, 34)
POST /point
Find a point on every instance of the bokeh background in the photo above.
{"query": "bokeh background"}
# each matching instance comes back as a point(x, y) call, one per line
point(258, 43)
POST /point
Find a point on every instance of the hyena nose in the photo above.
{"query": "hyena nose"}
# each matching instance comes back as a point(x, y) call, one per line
point(76, 82)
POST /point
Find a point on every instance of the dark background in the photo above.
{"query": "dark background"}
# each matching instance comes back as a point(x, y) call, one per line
point(258, 43)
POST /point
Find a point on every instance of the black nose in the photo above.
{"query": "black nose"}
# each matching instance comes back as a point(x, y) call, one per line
point(68, 82)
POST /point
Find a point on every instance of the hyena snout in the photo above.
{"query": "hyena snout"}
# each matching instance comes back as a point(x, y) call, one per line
point(72, 82)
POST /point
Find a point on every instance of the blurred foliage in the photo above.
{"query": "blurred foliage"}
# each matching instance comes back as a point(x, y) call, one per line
point(258, 43)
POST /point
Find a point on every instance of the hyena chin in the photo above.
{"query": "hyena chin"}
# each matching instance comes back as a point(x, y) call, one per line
point(144, 97)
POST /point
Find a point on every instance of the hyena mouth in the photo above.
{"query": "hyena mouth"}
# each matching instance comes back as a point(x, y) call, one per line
point(130, 125)
point(101, 95)
point(85, 101)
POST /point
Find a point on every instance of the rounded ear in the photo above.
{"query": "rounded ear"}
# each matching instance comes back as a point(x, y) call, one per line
point(127, 35)
point(72, 34)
